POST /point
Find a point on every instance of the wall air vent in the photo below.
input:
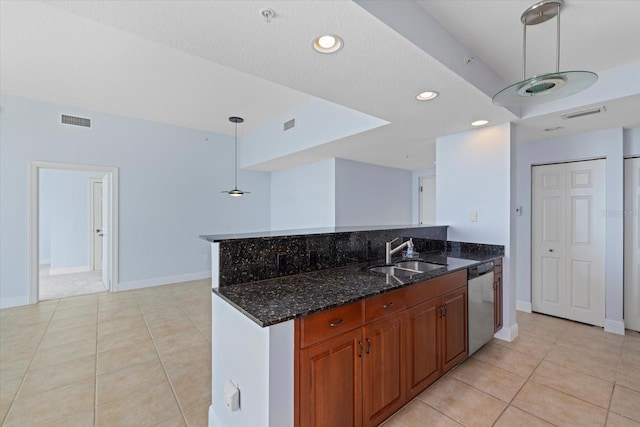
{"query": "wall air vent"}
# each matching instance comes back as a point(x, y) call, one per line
point(76, 121)
point(582, 113)
point(290, 124)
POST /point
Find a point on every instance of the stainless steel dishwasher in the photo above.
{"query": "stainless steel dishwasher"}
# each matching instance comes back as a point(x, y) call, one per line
point(480, 305)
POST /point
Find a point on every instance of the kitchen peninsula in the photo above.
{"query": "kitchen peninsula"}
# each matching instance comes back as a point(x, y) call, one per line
point(265, 283)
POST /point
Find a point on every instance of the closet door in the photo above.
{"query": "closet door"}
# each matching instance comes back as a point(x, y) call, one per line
point(568, 238)
point(632, 244)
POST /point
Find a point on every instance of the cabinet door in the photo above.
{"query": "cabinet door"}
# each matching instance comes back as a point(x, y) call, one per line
point(382, 369)
point(422, 346)
point(330, 382)
point(454, 328)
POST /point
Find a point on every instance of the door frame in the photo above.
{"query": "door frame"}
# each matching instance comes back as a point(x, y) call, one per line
point(92, 227)
point(34, 218)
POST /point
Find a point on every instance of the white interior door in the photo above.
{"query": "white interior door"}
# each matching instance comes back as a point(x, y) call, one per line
point(106, 230)
point(568, 237)
point(632, 244)
point(96, 224)
point(427, 200)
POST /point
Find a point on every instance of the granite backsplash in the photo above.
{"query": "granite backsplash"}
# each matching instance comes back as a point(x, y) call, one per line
point(254, 259)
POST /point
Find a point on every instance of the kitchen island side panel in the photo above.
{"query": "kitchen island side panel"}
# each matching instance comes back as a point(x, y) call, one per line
point(259, 361)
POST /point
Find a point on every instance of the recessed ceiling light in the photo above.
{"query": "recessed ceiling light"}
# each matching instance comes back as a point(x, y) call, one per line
point(328, 43)
point(426, 96)
point(480, 122)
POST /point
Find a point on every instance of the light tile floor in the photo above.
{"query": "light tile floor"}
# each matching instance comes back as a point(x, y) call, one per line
point(143, 358)
point(135, 358)
point(557, 372)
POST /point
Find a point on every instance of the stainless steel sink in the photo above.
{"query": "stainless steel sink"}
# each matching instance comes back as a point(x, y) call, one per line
point(394, 271)
point(406, 268)
point(420, 266)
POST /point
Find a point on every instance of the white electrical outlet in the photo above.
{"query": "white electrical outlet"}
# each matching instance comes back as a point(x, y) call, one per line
point(474, 216)
point(231, 396)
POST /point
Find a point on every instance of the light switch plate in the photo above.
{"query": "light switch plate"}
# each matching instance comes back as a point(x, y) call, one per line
point(474, 216)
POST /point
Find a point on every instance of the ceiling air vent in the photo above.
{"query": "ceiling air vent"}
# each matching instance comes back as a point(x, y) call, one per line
point(581, 113)
point(76, 121)
point(290, 124)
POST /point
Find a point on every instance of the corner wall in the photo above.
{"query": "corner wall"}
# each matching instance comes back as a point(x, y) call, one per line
point(474, 173)
point(171, 180)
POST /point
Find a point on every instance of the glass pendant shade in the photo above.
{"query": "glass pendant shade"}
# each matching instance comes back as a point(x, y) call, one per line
point(544, 87)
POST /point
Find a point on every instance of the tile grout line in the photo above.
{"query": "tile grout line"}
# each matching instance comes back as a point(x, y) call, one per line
point(528, 378)
point(164, 369)
point(24, 376)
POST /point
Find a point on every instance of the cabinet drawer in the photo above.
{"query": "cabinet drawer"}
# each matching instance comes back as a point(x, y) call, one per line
point(435, 287)
point(383, 305)
point(329, 323)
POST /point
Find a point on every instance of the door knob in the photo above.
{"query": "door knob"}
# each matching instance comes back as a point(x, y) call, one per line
point(98, 230)
point(550, 250)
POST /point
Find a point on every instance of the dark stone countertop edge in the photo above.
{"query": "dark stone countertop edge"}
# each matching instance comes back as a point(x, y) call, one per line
point(213, 238)
point(464, 261)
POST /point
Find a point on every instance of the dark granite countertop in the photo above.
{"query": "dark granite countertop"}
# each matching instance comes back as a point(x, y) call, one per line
point(268, 302)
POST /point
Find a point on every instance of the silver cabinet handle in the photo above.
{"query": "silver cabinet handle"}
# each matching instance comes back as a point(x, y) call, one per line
point(368, 346)
point(360, 349)
point(389, 305)
point(335, 323)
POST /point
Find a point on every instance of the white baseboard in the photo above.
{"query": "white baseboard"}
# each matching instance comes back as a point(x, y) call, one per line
point(507, 333)
point(614, 326)
point(523, 306)
point(157, 281)
point(213, 420)
point(69, 270)
point(13, 302)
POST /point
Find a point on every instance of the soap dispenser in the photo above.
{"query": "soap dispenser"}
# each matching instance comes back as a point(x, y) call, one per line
point(410, 248)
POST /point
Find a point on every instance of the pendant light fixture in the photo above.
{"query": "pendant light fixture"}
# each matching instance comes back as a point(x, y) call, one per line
point(235, 192)
point(543, 87)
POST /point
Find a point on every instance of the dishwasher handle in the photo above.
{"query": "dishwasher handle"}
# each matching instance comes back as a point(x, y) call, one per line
point(479, 270)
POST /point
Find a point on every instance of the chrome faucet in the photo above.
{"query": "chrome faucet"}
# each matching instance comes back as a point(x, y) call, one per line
point(388, 252)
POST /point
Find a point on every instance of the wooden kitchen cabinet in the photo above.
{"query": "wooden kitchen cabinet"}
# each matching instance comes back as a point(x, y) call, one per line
point(436, 332)
point(423, 364)
point(497, 294)
point(454, 328)
point(330, 382)
point(358, 364)
point(383, 369)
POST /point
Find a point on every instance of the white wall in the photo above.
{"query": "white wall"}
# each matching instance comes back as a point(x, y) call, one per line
point(474, 173)
point(65, 218)
point(606, 143)
point(171, 180)
point(369, 194)
point(317, 122)
point(303, 196)
point(631, 142)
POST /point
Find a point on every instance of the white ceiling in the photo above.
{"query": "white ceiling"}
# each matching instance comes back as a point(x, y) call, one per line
point(195, 63)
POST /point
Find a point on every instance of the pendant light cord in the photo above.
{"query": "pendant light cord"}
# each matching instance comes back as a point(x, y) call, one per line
point(236, 158)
